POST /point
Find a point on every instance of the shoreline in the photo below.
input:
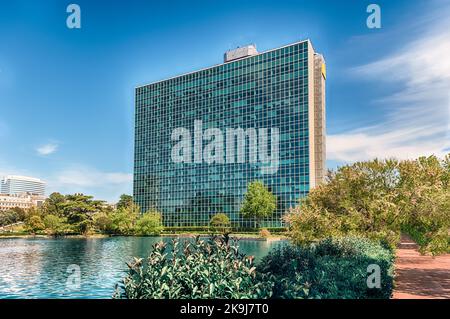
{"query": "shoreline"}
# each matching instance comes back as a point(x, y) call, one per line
point(237, 236)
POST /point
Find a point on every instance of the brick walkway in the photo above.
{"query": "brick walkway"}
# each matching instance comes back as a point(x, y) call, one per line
point(420, 277)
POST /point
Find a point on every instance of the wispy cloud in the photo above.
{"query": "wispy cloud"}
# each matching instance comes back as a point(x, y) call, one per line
point(47, 149)
point(83, 179)
point(417, 115)
point(89, 177)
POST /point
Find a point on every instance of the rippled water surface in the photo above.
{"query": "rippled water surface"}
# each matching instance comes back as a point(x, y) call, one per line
point(37, 268)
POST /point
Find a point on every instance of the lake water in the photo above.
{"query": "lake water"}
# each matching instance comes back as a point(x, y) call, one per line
point(38, 268)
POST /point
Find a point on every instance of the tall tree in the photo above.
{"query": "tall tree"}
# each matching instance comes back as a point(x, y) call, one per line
point(125, 201)
point(79, 210)
point(259, 202)
point(54, 204)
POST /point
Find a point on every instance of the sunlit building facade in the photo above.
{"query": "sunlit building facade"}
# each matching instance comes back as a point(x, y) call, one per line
point(268, 105)
point(14, 184)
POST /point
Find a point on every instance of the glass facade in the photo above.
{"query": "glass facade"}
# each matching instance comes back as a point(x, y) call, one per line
point(268, 90)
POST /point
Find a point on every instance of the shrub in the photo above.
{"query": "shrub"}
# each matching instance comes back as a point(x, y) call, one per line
point(180, 229)
point(149, 224)
point(35, 224)
point(9, 217)
point(331, 268)
point(199, 269)
point(123, 220)
point(55, 225)
point(103, 222)
point(264, 233)
point(220, 222)
point(377, 199)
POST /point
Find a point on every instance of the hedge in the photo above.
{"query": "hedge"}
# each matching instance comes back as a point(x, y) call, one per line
point(329, 269)
point(207, 229)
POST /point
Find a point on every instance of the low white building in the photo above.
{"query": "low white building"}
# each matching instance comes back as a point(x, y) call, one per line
point(24, 201)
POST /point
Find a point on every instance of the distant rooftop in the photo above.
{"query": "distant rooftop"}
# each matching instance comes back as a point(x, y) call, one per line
point(240, 52)
point(23, 178)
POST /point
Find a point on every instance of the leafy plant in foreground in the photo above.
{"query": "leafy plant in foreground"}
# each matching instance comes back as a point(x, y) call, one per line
point(332, 268)
point(198, 269)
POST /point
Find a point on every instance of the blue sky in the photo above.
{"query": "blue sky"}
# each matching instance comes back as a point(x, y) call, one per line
point(66, 95)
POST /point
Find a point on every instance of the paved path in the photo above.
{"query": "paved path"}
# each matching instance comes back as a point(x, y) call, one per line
point(420, 277)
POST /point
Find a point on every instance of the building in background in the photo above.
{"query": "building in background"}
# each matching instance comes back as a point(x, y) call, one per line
point(282, 89)
point(24, 201)
point(14, 185)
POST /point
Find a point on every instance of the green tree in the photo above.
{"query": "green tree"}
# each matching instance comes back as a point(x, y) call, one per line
point(125, 201)
point(259, 202)
point(103, 222)
point(124, 219)
point(9, 217)
point(55, 225)
point(424, 197)
point(54, 204)
point(149, 224)
point(79, 210)
point(34, 224)
point(220, 221)
point(377, 199)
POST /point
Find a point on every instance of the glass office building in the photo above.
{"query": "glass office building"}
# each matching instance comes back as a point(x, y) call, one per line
point(201, 137)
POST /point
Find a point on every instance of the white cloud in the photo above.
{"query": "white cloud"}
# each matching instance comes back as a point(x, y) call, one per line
point(82, 179)
point(88, 177)
point(417, 116)
point(47, 149)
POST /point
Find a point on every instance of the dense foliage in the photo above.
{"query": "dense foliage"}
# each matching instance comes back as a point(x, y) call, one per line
point(259, 202)
point(81, 214)
point(149, 224)
point(11, 216)
point(199, 269)
point(220, 222)
point(377, 199)
point(332, 268)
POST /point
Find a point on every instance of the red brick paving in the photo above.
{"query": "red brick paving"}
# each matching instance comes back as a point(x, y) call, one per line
point(418, 276)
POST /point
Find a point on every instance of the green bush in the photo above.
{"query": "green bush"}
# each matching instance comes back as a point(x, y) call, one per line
point(179, 229)
point(329, 269)
point(149, 224)
point(199, 269)
point(55, 225)
point(220, 222)
point(376, 200)
point(436, 243)
point(234, 229)
point(9, 217)
point(34, 224)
